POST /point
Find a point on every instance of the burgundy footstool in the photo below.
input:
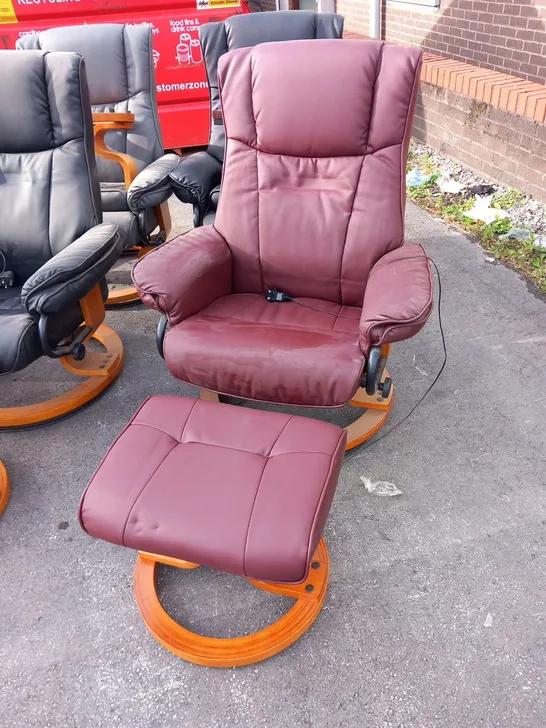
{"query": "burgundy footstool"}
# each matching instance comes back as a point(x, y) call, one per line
point(247, 492)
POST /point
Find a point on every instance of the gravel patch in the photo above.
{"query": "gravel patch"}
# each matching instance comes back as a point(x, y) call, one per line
point(526, 213)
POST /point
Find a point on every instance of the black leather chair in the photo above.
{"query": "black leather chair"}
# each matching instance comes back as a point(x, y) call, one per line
point(196, 179)
point(133, 170)
point(55, 249)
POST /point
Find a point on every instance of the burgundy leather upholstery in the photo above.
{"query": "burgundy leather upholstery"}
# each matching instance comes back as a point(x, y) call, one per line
point(218, 346)
point(239, 490)
point(312, 204)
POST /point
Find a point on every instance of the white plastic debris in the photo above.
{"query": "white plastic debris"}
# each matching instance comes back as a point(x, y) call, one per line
point(381, 487)
point(482, 210)
point(416, 178)
point(449, 185)
point(488, 620)
point(540, 242)
point(516, 233)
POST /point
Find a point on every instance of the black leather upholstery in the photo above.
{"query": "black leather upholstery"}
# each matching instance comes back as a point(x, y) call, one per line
point(196, 179)
point(121, 78)
point(50, 227)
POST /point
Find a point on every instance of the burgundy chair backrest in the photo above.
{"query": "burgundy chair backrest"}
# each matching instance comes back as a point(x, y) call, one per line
point(313, 189)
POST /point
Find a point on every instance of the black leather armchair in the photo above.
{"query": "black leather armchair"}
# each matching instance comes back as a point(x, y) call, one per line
point(132, 169)
point(53, 242)
point(196, 179)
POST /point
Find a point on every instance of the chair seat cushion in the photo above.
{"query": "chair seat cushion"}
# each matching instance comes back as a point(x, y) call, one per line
point(19, 340)
point(235, 489)
point(244, 346)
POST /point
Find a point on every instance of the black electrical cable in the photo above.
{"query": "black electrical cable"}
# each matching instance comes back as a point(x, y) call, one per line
point(285, 297)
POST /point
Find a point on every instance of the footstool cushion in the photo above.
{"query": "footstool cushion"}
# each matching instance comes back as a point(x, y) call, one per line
point(241, 490)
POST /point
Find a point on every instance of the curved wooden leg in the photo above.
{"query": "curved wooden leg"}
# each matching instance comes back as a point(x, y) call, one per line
point(238, 651)
point(4, 488)
point(100, 369)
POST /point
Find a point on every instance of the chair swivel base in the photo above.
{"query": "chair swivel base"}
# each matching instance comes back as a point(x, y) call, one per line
point(4, 488)
point(366, 426)
point(100, 370)
point(238, 651)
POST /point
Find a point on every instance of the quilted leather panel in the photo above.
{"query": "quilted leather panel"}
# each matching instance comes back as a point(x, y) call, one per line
point(243, 491)
point(242, 31)
point(121, 79)
point(46, 158)
point(277, 154)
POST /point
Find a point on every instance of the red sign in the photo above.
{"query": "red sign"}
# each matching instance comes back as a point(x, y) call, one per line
point(182, 90)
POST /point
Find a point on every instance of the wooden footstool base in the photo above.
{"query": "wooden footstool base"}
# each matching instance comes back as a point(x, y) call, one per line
point(237, 651)
point(4, 488)
point(246, 492)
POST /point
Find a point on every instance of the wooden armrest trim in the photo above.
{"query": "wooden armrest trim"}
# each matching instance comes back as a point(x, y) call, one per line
point(125, 120)
point(126, 162)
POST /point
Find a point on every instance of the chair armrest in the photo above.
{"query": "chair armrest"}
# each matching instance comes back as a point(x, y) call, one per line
point(195, 177)
point(102, 124)
point(185, 275)
point(69, 276)
point(398, 298)
point(152, 187)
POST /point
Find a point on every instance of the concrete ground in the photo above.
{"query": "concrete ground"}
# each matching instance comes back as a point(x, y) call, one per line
point(435, 616)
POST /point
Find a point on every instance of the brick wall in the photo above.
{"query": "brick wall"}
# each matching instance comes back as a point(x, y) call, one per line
point(503, 35)
point(262, 5)
point(508, 149)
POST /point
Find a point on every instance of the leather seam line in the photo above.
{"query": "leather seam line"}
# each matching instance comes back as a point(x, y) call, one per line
point(235, 449)
point(98, 218)
point(144, 488)
point(292, 327)
point(186, 422)
point(257, 171)
point(319, 502)
point(347, 231)
point(258, 490)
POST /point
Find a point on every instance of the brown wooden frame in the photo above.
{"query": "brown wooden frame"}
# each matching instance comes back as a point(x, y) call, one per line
point(102, 124)
point(99, 368)
point(238, 651)
point(4, 488)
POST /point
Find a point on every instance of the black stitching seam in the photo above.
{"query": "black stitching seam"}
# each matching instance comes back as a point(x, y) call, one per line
point(52, 151)
point(98, 215)
point(125, 132)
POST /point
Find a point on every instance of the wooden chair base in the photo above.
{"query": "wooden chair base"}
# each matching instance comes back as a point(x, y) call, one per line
point(376, 414)
point(100, 370)
point(246, 650)
point(122, 297)
point(4, 488)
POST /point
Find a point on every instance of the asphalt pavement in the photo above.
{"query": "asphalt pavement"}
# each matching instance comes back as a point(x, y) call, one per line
point(435, 616)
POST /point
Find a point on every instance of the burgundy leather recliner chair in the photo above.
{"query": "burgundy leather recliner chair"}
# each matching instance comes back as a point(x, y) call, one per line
point(312, 204)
